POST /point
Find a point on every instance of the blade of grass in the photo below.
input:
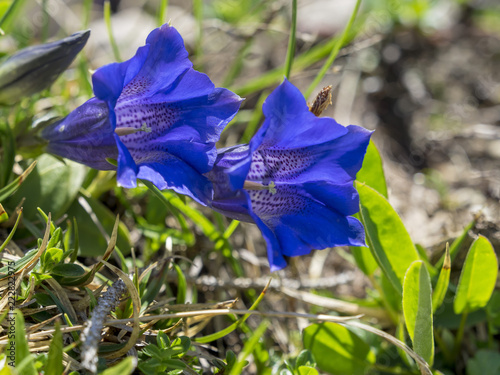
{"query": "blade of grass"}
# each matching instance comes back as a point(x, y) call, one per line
point(249, 347)
point(291, 41)
point(198, 15)
point(107, 20)
point(162, 12)
point(255, 119)
point(232, 327)
point(335, 51)
point(11, 234)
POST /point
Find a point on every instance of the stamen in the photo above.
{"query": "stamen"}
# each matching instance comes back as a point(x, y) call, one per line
point(129, 130)
point(252, 185)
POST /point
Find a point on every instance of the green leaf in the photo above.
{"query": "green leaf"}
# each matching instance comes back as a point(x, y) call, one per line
point(372, 174)
point(443, 281)
point(306, 370)
point(338, 350)
point(8, 190)
point(485, 362)
point(8, 152)
point(125, 367)
point(55, 356)
point(181, 285)
point(417, 309)
point(52, 186)
point(25, 362)
point(478, 277)
point(372, 171)
point(387, 237)
point(69, 270)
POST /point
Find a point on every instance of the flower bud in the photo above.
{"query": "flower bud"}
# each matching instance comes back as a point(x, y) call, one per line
point(34, 69)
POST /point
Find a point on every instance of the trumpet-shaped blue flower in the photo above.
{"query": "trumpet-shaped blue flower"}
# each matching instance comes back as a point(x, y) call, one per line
point(153, 114)
point(294, 179)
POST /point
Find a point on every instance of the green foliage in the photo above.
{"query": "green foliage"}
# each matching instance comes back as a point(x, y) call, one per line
point(338, 350)
point(478, 277)
point(417, 309)
point(164, 357)
point(386, 233)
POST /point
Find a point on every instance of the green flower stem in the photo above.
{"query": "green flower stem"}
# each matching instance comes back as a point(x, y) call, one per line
point(107, 20)
point(291, 41)
point(335, 51)
point(460, 334)
point(442, 346)
point(392, 314)
point(162, 12)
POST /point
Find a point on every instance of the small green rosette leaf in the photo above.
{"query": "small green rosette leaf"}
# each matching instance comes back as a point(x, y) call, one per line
point(478, 277)
point(417, 309)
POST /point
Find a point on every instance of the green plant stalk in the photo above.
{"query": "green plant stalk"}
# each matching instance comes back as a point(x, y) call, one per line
point(460, 335)
point(198, 15)
point(255, 119)
point(236, 324)
point(231, 228)
point(249, 347)
point(107, 20)
point(392, 314)
point(442, 346)
point(45, 26)
point(162, 12)
point(291, 41)
point(335, 51)
point(237, 64)
point(11, 234)
point(456, 245)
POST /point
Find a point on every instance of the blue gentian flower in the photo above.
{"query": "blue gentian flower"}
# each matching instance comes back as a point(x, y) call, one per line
point(153, 114)
point(294, 180)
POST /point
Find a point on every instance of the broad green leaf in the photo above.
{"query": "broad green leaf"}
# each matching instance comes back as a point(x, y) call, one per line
point(25, 362)
point(69, 270)
point(338, 350)
point(55, 356)
point(417, 309)
point(52, 186)
point(387, 237)
point(306, 370)
point(125, 367)
point(372, 171)
point(372, 174)
point(485, 362)
point(478, 277)
point(443, 281)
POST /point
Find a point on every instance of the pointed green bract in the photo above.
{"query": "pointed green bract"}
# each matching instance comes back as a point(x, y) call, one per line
point(338, 350)
point(478, 277)
point(417, 309)
point(387, 237)
point(443, 281)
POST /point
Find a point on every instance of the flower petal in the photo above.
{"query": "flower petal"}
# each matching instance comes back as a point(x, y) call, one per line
point(178, 176)
point(126, 174)
point(85, 136)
